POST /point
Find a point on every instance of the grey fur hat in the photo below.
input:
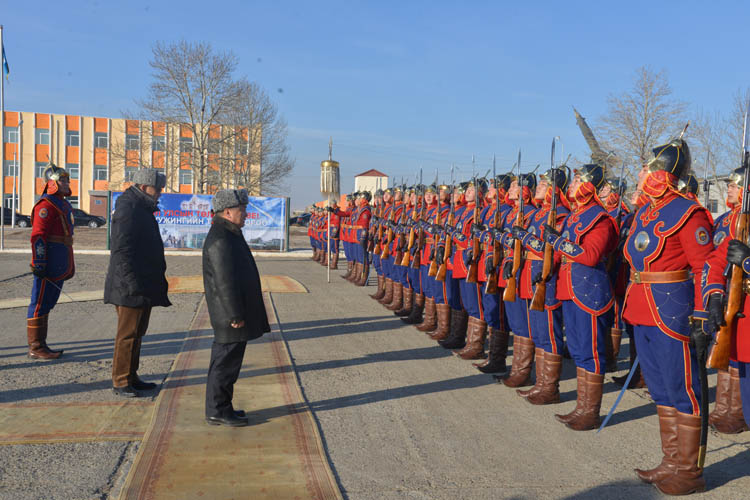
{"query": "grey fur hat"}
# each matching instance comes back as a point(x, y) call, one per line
point(150, 177)
point(228, 198)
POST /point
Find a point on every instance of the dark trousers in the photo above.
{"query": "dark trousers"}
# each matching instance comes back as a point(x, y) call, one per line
point(132, 323)
point(226, 361)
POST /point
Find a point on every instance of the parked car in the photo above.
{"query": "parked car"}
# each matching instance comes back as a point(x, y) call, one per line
point(81, 218)
point(21, 220)
point(300, 220)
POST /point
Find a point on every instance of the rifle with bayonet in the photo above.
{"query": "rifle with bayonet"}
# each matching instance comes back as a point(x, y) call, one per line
point(509, 295)
point(719, 357)
point(612, 258)
point(540, 294)
point(472, 273)
point(433, 270)
point(378, 249)
point(414, 227)
point(497, 248)
point(447, 238)
point(401, 239)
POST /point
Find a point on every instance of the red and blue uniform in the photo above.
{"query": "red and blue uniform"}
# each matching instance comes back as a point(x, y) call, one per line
point(51, 252)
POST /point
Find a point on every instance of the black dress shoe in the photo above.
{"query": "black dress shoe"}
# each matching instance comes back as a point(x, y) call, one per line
point(233, 421)
point(240, 413)
point(126, 392)
point(140, 385)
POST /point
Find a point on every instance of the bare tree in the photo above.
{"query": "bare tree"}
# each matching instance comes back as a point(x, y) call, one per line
point(640, 117)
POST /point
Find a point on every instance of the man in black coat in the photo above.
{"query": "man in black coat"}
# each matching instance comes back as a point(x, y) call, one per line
point(136, 279)
point(235, 303)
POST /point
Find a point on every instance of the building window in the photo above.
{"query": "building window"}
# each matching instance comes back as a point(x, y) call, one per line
point(101, 140)
point(10, 134)
point(159, 143)
point(10, 168)
point(8, 202)
point(186, 144)
point(39, 168)
point(132, 142)
point(186, 177)
point(214, 146)
point(129, 173)
point(240, 148)
point(73, 200)
point(41, 136)
point(100, 172)
point(72, 138)
point(72, 169)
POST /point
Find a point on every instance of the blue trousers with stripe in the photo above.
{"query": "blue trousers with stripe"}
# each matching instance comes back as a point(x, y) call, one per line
point(44, 295)
point(491, 303)
point(546, 329)
point(585, 334)
point(517, 314)
point(471, 298)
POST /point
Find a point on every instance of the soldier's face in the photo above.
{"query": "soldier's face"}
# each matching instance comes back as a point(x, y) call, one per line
point(63, 186)
point(733, 193)
point(469, 195)
point(387, 197)
point(642, 174)
point(605, 191)
point(444, 195)
point(491, 193)
point(574, 185)
point(429, 197)
point(513, 191)
point(541, 189)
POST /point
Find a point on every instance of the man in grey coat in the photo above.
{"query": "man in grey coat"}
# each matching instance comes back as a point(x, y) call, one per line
point(235, 303)
point(136, 279)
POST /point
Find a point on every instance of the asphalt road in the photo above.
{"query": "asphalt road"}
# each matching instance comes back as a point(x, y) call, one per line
point(400, 417)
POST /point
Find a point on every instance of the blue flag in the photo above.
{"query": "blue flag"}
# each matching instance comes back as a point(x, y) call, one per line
point(6, 68)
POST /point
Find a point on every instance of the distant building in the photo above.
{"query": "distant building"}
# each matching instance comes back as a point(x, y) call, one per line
point(371, 181)
point(717, 195)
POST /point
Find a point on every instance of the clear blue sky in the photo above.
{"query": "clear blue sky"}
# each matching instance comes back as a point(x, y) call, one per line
point(398, 84)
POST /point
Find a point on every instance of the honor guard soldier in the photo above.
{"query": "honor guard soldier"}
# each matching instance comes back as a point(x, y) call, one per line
point(589, 235)
point(335, 230)
point(399, 272)
point(489, 269)
point(51, 257)
point(345, 235)
point(545, 322)
point(728, 416)
point(384, 221)
point(522, 187)
point(311, 233)
point(412, 286)
point(669, 241)
point(373, 242)
point(437, 209)
point(393, 287)
point(424, 301)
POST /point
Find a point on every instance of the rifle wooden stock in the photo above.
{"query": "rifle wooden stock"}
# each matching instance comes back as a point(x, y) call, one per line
point(497, 257)
point(719, 356)
point(407, 254)
point(387, 248)
point(443, 269)
point(540, 294)
point(473, 272)
point(378, 249)
point(432, 271)
point(510, 289)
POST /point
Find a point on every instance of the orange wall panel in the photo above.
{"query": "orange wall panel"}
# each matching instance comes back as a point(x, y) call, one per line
point(214, 132)
point(158, 159)
point(42, 120)
point(42, 152)
point(11, 119)
point(100, 156)
point(101, 185)
point(74, 186)
point(71, 122)
point(186, 188)
point(100, 125)
point(39, 184)
point(9, 150)
point(131, 127)
point(131, 158)
point(71, 154)
point(8, 185)
point(185, 161)
point(159, 129)
point(185, 131)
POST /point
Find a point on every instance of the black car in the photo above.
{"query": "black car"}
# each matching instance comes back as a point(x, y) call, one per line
point(300, 220)
point(21, 220)
point(81, 218)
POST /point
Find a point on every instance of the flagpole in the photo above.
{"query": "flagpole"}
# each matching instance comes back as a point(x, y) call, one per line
point(2, 140)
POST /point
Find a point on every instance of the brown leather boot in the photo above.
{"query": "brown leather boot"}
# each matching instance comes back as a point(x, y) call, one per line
point(538, 367)
point(475, 335)
point(734, 420)
point(349, 269)
point(498, 352)
point(398, 298)
point(335, 260)
point(549, 393)
point(408, 294)
point(592, 402)
point(415, 317)
point(429, 321)
point(616, 335)
point(687, 477)
point(324, 259)
point(45, 321)
point(388, 297)
point(721, 408)
point(364, 274)
point(580, 396)
point(668, 431)
point(381, 288)
point(315, 254)
point(457, 337)
point(444, 315)
point(36, 332)
point(356, 272)
point(520, 370)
